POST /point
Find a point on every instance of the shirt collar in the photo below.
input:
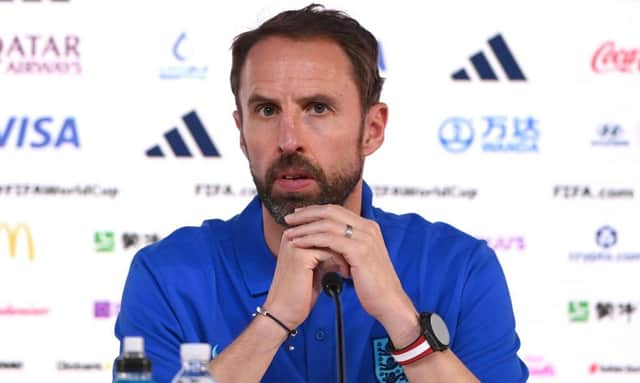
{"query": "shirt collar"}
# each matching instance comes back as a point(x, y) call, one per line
point(256, 261)
point(367, 202)
point(254, 257)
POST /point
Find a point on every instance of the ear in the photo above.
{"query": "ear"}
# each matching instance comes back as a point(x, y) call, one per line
point(374, 124)
point(238, 120)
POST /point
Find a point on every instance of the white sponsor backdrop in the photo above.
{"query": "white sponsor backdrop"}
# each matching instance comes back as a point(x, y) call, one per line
point(95, 198)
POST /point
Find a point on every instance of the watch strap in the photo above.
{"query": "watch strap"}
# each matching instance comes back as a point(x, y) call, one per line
point(417, 350)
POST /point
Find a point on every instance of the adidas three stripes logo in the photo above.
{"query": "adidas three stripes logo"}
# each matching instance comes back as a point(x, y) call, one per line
point(483, 67)
point(179, 146)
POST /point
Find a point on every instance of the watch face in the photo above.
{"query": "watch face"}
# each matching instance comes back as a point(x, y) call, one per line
point(439, 329)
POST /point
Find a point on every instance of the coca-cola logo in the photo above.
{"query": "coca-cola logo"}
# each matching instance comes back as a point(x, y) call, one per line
point(609, 58)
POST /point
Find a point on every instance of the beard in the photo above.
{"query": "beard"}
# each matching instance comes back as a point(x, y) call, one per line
point(334, 189)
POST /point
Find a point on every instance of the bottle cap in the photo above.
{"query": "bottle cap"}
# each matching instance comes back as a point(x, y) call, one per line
point(195, 351)
point(132, 359)
point(133, 344)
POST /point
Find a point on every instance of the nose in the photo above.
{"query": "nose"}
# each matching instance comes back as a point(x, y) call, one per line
point(289, 139)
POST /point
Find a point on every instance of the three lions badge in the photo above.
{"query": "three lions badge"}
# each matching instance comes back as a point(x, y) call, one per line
point(387, 370)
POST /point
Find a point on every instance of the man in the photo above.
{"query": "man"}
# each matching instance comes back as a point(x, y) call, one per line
point(307, 92)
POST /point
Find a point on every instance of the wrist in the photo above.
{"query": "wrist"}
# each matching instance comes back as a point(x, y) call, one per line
point(402, 324)
point(271, 335)
point(282, 313)
point(260, 311)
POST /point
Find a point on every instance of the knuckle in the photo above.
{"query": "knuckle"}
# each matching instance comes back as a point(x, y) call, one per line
point(324, 239)
point(373, 227)
point(323, 255)
point(325, 225)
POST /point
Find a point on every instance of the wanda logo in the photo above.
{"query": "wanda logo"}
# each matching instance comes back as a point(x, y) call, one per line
point(609, 58)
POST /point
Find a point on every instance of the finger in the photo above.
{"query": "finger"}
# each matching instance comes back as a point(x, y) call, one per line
point(315, 258)
point(316, 212)
point(318, 254)
point(336, 263)
point(315, 227)
point(309, 257)
point(337, 243)
point(317, 285)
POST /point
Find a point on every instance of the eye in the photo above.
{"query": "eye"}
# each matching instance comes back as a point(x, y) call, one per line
point(319, 108)
point(266, 110)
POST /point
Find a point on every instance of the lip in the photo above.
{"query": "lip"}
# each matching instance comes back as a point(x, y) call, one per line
point(285, 184)
point(292, 172)
point(293, 185)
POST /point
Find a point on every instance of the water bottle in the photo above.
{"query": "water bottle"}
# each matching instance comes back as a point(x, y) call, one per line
point(133, 366)
point(195, 360)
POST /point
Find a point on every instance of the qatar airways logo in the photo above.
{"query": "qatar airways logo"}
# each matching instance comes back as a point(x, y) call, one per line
point(35, 54)
point(611, 58)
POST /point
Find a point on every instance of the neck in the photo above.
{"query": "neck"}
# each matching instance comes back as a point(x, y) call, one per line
point(273, 231)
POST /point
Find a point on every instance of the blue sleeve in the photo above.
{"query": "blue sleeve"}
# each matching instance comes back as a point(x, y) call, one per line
point(145, 311)
point(486, 340)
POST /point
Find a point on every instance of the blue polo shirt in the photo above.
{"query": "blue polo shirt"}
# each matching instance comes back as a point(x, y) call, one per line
point(201, 284)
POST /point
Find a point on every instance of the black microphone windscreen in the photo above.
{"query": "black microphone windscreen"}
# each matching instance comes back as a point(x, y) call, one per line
point(332, 283)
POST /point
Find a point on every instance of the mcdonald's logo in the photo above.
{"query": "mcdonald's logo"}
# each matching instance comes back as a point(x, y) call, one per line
point(12, 237)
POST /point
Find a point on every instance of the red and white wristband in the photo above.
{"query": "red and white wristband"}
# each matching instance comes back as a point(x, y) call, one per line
point(415, 351)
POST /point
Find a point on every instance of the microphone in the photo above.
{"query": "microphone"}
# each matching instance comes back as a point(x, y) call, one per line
point(331, 283)
point(332, 286)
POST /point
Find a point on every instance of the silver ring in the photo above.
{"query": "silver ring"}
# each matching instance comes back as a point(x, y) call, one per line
point(348, 232)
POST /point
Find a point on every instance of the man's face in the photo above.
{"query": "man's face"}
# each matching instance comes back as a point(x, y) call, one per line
point(301, 123)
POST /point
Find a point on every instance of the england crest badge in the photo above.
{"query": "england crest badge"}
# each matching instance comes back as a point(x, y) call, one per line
point(386, 369)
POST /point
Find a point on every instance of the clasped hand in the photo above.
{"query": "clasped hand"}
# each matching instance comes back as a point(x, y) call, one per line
point(318, 243)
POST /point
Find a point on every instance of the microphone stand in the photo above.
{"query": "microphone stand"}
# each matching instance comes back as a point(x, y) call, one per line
point(332, 286)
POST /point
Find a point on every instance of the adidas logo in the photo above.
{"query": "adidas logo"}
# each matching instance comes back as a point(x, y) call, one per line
point(483, 67)
point(179, 146)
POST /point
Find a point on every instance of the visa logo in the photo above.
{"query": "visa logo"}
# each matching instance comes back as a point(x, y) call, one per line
point(40, 132)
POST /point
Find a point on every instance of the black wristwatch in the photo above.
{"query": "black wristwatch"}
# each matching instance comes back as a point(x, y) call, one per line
point(435, 331)
point(434, 336)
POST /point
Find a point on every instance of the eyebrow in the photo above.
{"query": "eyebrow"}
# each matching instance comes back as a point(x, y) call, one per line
point(257, 98)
